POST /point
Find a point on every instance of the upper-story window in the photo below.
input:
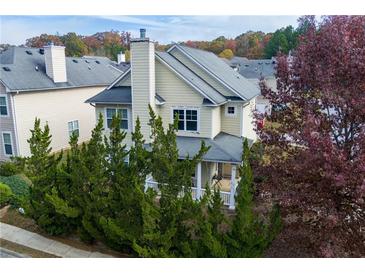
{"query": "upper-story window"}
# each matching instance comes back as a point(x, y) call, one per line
point(230, 111)
point(3, 106)
point(188, 119)
point(73, 128)
point(8, 144)
point(123, 115)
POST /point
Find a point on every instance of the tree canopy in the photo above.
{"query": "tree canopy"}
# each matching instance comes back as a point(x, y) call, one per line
point(315, 141)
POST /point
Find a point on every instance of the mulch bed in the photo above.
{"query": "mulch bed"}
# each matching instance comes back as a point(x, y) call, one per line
point(12, 217)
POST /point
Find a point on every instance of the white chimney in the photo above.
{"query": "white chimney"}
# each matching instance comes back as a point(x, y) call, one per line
point(143, 81)
point(121, 57)
point(55, 63)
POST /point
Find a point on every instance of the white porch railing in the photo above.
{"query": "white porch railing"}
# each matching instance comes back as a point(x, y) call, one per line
point(225, 196)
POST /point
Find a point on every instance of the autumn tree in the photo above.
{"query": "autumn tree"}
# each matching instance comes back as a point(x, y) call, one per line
point(250, 44)
point(227, 53)
point(74, 45)
point(315, 143)
point(43, 40)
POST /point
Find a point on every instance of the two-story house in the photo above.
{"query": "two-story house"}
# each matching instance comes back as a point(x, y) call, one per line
point(213, 103)
point(44, 83)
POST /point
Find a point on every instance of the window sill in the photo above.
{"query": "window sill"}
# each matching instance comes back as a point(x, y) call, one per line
point(188, 131)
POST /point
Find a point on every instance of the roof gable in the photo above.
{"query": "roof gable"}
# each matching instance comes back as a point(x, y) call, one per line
point(219, 70)
point(191, 78)
point(184, 73)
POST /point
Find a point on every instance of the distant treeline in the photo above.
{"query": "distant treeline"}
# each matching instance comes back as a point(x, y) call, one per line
point(251, 44)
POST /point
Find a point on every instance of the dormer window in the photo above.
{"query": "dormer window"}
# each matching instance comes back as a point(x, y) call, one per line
point(230, 111)
point(188, 119)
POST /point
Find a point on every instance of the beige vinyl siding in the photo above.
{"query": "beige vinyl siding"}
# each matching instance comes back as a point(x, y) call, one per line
point(177, 93)
point(125, 82)
point(204, 75)
point(57, 108)
point(231, 125)
point(216, 121)
point(101, 109)
point(7, 125)
point(143, 83)
point(248, 127)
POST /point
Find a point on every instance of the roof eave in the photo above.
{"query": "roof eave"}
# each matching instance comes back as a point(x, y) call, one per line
point(119, 78)
point(207, 70)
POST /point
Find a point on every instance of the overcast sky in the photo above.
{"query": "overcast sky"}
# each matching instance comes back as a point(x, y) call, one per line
point(165, 29)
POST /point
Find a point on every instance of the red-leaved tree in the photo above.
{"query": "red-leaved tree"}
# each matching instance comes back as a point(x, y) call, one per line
point(315, 138)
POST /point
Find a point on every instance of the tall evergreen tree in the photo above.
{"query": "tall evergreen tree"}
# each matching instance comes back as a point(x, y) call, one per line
point(124, 224)
point(249, 235)
point(174, 177)
point(43, 169)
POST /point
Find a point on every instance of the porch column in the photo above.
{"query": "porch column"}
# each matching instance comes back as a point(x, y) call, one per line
point(232, 204)
point(198, 180)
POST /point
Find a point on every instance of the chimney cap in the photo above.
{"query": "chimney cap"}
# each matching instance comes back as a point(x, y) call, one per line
point(142, 33)
point(142, 37)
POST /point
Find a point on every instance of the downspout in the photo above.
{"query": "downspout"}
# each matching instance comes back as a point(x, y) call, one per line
point(15, 123)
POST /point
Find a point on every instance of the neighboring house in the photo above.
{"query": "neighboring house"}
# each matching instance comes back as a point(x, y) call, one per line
point(254, 70)
point(214, 104)
point(44, 83)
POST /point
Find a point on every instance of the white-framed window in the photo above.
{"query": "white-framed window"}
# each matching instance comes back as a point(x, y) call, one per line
point(231, 111)
point(73, 128)
point(123, 114)
point(4, 110)
point(188, 119)
point(8, 143)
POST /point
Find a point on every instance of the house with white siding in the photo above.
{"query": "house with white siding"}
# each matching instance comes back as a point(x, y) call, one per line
point(43, 83)
point(213, 103)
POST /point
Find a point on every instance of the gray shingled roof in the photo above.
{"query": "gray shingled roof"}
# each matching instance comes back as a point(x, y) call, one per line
point(255, 69)
point(222, 71)
point(115, 95)
point(191, 77)
point(223, 148)
point(23, 75)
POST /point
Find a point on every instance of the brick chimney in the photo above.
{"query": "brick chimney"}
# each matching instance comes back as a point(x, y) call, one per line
point(143, 80)
point(55, 61)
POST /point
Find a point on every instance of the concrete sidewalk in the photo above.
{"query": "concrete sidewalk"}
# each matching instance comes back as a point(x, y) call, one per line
point(23, 237)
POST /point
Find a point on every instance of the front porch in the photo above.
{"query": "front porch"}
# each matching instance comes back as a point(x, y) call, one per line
point(218, 168)
point(218, 179)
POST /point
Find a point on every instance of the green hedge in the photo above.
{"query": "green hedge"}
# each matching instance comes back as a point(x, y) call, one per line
point(8, 168)
point(5, 194)
point(18, 185)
